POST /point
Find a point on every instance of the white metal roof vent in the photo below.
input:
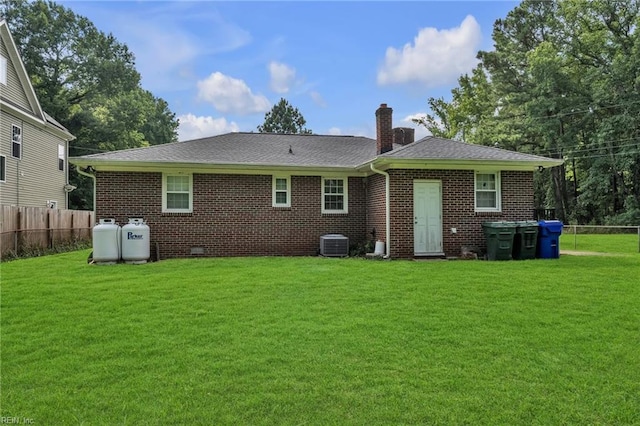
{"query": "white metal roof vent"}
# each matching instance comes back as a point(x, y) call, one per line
point(334, 245)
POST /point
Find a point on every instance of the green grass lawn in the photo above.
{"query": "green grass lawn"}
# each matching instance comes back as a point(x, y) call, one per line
point(315, 341)
point(603, 243)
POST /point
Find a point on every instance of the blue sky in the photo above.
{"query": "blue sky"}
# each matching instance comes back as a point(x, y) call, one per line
point(222, 65)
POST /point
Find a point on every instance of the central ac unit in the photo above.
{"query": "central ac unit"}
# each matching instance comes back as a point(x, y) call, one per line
point(334, 245)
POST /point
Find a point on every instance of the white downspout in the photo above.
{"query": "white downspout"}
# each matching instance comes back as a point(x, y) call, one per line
point(387, 209)
point(93, 177)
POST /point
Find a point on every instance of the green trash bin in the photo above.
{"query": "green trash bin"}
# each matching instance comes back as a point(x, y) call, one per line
point(525, 240)
point(499, 237)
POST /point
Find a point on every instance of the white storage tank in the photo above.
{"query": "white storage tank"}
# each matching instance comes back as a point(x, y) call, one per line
point(135, 241)
point(106, 241)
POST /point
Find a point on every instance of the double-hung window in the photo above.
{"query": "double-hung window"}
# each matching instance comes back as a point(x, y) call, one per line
point(16, 141)
point(334, 195)
point(177, 193)
point(3, 70)
point(61, 157)
point(487, 192)
point(3, 168)
point(281, 191)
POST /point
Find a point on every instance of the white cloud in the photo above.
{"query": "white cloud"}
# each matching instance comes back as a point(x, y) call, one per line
point(421, 131)
point(436, 57)
point(162, 39)
point(194, 127)
point(282, 77)
point(317, 99)
point(231, 95)
point(335, 131)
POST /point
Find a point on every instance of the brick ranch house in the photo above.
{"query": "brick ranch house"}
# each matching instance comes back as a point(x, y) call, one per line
point(253, 194)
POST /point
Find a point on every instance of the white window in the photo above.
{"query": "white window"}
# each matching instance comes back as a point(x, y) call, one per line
point(334, 195)
point(487, 192)
point(177, 193)
point(3, 70)
point(16, 141)
point(61, 157)
point(3, 168)
point(281, 191)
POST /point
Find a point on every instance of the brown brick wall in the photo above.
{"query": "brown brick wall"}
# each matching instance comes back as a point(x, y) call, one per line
point(232, 214)
point(457, 207)
point(376, 214)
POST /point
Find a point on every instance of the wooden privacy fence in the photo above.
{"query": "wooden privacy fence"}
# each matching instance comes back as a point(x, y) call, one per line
point(28, 228)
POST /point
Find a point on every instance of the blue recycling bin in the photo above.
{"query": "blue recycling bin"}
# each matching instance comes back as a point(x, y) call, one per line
point(549, 232)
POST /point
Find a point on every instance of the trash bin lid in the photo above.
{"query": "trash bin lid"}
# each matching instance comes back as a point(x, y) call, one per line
point(502, 224)
point(527, 224)
point(551, 225)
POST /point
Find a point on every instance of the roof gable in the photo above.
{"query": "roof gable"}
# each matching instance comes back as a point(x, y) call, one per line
point(16, 66)
point(20, 97)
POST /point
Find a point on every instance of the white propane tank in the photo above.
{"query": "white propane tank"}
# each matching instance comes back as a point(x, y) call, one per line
point(106, 242)
point(135, 241)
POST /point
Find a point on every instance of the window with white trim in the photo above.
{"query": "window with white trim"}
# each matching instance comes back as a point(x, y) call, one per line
point(334, 195)
point(281, 191)
point(16, 141)
point(177, 193)
point(3, 168)
point(487, 192)
point(3, 70)
point(61, 157)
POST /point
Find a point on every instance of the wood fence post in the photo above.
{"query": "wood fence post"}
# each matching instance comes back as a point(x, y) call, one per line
point(16, 233)
point(49, 231)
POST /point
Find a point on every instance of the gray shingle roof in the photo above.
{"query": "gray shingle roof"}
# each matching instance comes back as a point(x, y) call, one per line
point(255, 149)
point(434, 148)
point(269, 149)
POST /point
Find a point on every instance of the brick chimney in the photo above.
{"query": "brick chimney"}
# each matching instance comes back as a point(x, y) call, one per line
point(403, 135)
point(384, 129)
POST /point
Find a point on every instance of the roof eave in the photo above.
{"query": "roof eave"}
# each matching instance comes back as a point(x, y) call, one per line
point(459, 164)
point(255, 169)
point(36, 121)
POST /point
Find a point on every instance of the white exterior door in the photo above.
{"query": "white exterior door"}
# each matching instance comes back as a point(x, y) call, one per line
point(427, 217)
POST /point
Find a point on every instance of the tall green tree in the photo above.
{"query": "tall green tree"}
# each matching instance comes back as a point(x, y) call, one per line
point(563, 81)
point(86, 80)
point(284, 118)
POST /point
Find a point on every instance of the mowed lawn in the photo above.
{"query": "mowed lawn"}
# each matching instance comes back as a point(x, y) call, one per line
point(316, 341)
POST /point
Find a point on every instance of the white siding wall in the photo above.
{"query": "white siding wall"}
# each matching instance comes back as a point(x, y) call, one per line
point(35, 178)
point(8, 189)
point(14, 91)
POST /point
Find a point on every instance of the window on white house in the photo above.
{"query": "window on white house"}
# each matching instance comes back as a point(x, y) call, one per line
point(61, 157)
point(16, 141)
point(3, 70)
point(334, 195)
point(487, 192)
point(3, 168)
point(177, 193)
point(281, 191)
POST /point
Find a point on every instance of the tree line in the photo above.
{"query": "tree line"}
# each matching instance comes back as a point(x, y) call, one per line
point(563, 81)
point(88, 82)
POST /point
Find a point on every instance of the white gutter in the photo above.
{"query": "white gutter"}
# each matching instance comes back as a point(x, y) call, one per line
point(387, 209)
point(93, 177)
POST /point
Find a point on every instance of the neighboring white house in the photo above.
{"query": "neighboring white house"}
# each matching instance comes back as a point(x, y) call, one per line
point(33, 146)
